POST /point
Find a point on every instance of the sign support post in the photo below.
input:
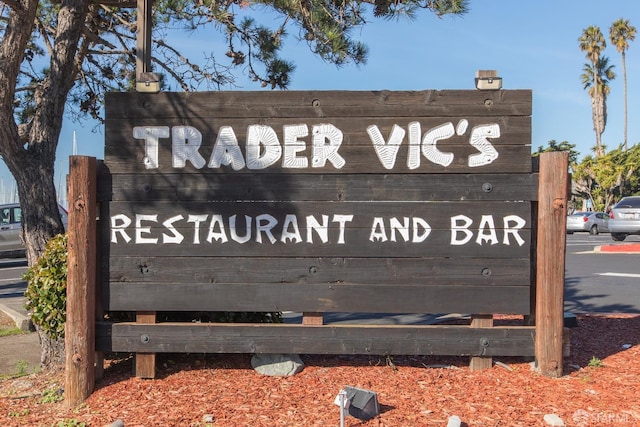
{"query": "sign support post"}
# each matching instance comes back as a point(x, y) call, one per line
point(81, 281)
point(552, 225)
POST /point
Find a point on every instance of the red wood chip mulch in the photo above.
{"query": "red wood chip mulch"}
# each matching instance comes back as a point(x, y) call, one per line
point(601, 387)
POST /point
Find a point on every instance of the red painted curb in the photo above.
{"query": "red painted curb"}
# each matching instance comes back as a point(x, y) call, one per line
point(632, 247)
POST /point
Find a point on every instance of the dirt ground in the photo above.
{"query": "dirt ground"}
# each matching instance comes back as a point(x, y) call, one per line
point(6, 322)
point(600, 388)
point(19, 351)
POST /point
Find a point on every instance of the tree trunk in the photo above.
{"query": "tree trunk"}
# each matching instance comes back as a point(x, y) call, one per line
point(30, 155)
point(595, 104)
point(624, 77)
point(40, 222)
point(40, 216)
point(51, 351)
point(599, 121)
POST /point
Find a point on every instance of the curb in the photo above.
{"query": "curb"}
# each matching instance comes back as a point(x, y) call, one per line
point(631, 248)
point(22, 322)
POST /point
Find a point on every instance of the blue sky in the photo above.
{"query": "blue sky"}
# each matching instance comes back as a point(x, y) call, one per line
point(532, 44)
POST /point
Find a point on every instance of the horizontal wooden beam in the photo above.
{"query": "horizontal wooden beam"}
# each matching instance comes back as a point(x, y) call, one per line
point(312, 339)
point(191, 187)
point(317, 297)
point(422, 271)
point(208, 106)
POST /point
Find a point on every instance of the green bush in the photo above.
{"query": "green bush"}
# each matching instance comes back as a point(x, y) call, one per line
point(46, 292)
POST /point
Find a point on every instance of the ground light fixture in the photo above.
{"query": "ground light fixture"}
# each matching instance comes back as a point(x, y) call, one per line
point(357, 402)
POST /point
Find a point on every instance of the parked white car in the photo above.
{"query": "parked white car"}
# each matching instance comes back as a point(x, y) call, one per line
point(591, 222)
point(10, 225)
point(625, 218)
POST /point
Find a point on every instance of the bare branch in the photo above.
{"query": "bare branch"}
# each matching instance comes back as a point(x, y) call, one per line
point(127, 24)
point(45, 35)
point(173, 74)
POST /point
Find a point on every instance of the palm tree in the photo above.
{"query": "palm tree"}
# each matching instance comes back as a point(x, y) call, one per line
point(592, 42)
point(596, 81)
point(620, 33)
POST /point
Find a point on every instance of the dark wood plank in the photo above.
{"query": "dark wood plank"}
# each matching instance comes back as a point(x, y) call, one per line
point(307, 339)
point(355, 130)
point(188, 187)
point(359, 246)
point(439, 213)
point(512, 159)
point(356, 153)
point(319, 103)
point(450, 120)
point(291, 229)
point(322, 297)
point(99, 274)
point(407, 271)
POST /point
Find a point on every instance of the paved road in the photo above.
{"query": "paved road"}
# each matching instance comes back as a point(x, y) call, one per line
point(598, 282)
point(12, 287)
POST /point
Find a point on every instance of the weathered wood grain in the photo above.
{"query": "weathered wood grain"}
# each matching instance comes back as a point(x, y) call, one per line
point(310, 339)
point(318, 297)
point(359, 267)
point(188, 187)
point(298, 270)
point(552, 213)
point(289, 229)
point(294, 104)
point(81, 281)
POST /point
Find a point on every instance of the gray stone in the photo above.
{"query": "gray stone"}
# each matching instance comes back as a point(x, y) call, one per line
point(277, 365)
point(553, 420)
point(116, 423)
point(454, 421)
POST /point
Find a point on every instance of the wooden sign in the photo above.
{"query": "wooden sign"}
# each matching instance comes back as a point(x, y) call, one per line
point(397, 200)
point(314, 202)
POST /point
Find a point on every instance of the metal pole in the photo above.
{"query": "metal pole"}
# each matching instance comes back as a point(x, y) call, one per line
point(342, 396)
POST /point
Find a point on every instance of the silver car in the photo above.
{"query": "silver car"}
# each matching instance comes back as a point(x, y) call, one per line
point(591, 222)
point(10, 225)
point(625, 218)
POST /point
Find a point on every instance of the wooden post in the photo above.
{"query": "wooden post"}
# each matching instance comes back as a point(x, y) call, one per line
point(99, 310)
point(146, 362)
point(551, 227)
point(143, 37)
point(81, 281)
point(479, 363)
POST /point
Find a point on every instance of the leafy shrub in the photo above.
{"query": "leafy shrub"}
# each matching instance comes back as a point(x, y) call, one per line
point(46, 292)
